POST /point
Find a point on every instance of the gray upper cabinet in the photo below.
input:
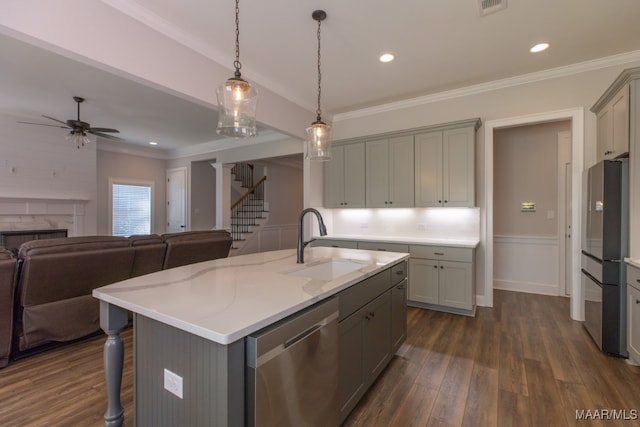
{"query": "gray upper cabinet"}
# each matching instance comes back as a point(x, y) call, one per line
point(444, 168)
point(344, 177)
point(389, 173)
point(423, 167)
point(613, 126)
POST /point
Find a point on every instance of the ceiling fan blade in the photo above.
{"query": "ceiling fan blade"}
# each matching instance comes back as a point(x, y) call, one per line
point(55, 120)
point(106, 135)
point(43, 124)
point(94, 130)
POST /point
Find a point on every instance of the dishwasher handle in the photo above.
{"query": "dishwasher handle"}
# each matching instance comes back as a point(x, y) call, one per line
point(303, 334)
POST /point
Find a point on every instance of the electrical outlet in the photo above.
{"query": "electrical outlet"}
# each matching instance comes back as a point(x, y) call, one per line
point(420, 226)
point(364, 224)
point(173, 383)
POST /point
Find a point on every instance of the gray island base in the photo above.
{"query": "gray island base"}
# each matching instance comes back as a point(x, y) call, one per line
point(190, 361)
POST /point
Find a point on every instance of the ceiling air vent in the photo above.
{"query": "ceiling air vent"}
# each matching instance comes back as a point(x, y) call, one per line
point(490, 6)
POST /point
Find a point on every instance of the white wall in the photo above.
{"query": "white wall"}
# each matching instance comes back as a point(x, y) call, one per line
point(135, 168)
point(203, 196)
point(37, 162)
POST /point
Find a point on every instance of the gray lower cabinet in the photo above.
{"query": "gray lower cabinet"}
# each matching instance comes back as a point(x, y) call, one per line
point(633, 313)
point(442, 278)
point(372, 326)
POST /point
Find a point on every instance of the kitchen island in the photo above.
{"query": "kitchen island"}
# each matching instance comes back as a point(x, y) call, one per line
point(210, 308)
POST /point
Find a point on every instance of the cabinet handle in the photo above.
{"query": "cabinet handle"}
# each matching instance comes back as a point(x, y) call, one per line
point(438, 253)
point(439, 201)
point(400, 287)
point(446, 201)
point(638, 301)
point(435, 266)
point(638, 280)
point(380, 249)
point(441, 267)
point(400, 273)
point(391, 202)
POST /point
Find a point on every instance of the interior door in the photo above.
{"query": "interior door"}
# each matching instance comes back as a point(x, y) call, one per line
point(176, 200)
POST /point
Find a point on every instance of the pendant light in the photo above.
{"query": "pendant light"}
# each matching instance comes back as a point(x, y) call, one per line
point(319, 133)
point(237, 99)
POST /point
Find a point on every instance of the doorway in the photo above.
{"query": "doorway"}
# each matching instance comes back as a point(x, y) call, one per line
point(576, 116)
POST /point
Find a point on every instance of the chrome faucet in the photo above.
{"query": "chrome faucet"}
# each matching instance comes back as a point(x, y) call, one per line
point(301, 244)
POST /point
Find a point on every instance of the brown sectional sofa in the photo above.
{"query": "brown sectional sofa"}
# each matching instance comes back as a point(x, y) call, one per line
point(52, 302)
point(7, 286)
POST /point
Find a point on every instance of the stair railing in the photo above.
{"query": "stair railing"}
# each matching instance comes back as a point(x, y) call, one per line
point(245, 211)
point(244, 173)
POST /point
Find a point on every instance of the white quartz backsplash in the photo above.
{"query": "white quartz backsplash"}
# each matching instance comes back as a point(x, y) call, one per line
point(426, 223)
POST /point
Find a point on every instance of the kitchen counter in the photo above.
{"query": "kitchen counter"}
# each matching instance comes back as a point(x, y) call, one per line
point(227, 299)
point(203, 312)
point(453, 242)
point(633, 262)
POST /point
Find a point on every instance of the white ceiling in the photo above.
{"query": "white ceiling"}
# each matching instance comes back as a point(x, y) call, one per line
point(438, 46)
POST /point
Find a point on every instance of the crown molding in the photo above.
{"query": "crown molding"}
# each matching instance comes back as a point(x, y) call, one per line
point(553, 73)
point(132, 150)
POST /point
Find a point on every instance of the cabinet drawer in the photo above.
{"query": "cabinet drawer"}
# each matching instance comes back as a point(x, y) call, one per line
point(382, 246)
point(353, 298)
point(441, 252)
point(399, 272)
point(633, 276)
point(349, 244)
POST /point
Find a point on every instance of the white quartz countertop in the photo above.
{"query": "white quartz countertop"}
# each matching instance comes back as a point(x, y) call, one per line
point(633, 262)
point(227, 299)
point(452, 241)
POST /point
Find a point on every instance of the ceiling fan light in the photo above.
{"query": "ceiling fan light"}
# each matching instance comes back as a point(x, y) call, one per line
point(237, 104)
point(318, 141)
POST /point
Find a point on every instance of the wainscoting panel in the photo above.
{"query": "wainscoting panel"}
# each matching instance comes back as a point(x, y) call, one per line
point(526, 264)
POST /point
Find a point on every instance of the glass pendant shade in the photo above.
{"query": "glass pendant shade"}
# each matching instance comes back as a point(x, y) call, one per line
point(237, 102)
point(319, 141)
point(78, 138)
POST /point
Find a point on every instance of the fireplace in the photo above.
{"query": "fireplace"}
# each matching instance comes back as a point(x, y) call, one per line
point(13, 239)
point(30, 218)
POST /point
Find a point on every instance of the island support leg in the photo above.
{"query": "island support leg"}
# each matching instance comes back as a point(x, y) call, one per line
point(112, 320)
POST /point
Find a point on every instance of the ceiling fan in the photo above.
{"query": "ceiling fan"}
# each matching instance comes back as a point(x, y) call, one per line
point(78, 129)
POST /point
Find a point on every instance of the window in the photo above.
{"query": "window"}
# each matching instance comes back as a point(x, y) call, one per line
point(130, 208)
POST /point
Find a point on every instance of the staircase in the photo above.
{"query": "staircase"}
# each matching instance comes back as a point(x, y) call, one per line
point(249, 211)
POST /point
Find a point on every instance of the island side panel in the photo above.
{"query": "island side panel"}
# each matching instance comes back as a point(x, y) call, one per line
point(213, 378)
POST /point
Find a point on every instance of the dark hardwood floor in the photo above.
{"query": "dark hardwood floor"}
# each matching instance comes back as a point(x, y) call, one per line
point(522, 363)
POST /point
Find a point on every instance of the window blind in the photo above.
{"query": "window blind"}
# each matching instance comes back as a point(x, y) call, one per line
point(131, 209)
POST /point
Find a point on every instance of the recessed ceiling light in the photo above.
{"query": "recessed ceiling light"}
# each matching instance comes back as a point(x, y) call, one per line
point(539, 47)
point(387, 57)
point(153, 143)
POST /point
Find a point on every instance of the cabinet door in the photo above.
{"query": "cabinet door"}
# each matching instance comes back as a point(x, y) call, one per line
point(428, 169)
point(401, 176)
point(354, 176)
point(398, 315)
point(377, 336)
point(377, 173)
point(604, 142)
point(458, 168)
point(620, 123)
point(633, 326)
point(334, 184)
point(456, 284)
point(351, 362)
point(423, 285)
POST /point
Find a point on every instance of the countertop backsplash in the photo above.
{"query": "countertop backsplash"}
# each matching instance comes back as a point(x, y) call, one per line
point(427, 223)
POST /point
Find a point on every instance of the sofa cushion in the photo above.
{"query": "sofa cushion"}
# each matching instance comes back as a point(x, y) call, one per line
point(149, 250)
point(195, 246)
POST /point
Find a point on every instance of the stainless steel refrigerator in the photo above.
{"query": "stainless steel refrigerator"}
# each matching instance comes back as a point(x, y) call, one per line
point(603, 252)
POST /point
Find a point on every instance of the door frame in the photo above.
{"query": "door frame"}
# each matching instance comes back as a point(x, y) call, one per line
point(564, 222)
point(576, 116)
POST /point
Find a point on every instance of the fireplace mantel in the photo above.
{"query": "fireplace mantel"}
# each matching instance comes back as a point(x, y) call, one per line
point(16, 211)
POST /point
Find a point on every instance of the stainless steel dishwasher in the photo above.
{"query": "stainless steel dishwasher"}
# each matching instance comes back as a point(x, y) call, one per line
point(292, 370)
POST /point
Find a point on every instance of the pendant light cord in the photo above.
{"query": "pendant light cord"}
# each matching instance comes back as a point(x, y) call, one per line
point(236, 63)
point(319, 111)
